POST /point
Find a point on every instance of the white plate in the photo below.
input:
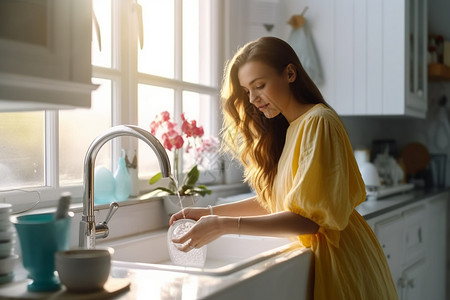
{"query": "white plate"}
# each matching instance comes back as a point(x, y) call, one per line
point(5, 209)
point(193, 258)
point(8, 264)
point(6, 236)
point(6, 248)
point(5, 224)
point(5, 278)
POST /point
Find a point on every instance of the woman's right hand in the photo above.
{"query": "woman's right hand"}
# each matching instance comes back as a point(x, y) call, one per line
point(194, 213)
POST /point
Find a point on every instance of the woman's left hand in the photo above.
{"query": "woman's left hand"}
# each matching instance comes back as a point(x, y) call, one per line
point(207, 229)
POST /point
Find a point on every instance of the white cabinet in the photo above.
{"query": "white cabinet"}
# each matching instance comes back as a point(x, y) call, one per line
point(372, 53)
point(413, 239)
point(414, 283)
point(389, 232)
point(437, 251)
point(45, 54)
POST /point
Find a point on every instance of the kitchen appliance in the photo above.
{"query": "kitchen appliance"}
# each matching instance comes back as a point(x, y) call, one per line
point(369, 173)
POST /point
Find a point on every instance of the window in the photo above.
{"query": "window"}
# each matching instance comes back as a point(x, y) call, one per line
point(164, 58)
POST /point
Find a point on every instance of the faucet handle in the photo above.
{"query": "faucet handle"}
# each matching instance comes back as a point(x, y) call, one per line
point(113, 207)
point(101, 229)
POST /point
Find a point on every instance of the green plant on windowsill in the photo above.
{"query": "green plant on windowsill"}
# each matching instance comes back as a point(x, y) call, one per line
point(188, 186)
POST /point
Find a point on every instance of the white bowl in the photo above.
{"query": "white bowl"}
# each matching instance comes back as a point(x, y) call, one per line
point(8, 264)
point(6, 248)
point(196, 257)
point(84, 270)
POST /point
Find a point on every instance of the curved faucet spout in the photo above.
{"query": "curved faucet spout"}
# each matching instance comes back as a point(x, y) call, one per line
point(87, 224)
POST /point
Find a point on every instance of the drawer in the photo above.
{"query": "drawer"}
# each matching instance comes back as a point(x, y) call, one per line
point(414, 240)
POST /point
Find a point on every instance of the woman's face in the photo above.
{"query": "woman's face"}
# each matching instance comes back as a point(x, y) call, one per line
point(267, 89)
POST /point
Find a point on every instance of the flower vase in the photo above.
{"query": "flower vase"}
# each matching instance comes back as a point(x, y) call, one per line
point(172, 202)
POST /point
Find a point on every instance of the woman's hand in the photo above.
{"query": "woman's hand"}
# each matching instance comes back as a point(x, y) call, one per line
point(194, 213)
point(207, 229)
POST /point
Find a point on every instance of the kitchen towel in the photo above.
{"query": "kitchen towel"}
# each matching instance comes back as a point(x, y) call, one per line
point(302, 42)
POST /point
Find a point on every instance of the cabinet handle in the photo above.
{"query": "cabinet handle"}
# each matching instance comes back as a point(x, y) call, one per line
point(138, 10)
point(419, 232)
point(388, 256)
point(411, 283)
point(401, 282)
point(97, 30)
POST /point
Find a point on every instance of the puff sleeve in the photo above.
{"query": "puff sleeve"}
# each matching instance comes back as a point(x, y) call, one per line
point(326, 184)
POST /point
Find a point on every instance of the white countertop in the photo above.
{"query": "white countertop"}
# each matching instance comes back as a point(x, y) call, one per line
point(373, 208)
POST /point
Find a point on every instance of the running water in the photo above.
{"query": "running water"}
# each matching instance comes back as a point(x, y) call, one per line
point(175, 183)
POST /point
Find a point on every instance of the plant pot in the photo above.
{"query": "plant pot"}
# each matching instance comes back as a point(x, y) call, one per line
point(172, 202)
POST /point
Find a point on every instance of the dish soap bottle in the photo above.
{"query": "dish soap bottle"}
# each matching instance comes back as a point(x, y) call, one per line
point(122, 180)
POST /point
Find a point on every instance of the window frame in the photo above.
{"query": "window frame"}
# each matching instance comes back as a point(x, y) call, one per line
point(124, 78)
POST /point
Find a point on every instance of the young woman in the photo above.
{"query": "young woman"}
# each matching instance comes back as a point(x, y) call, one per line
point(299, 161)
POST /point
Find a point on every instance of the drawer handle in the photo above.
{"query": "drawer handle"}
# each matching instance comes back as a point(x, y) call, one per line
point(419, 232)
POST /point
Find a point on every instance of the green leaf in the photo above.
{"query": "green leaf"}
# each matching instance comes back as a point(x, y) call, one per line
point(192, 176)
point(201, 190)
point(155, 178)
point(169, 191)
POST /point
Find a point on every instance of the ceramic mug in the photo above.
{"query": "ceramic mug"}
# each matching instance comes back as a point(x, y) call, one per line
point(41, 236)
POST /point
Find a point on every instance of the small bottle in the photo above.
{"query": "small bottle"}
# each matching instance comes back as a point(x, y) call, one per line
point(432, 55)
point(440, 49)
point(132, 170)
point(63, 206)
point(122, 180)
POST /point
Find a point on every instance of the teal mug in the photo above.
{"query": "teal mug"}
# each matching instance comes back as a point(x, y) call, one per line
point(41, 236)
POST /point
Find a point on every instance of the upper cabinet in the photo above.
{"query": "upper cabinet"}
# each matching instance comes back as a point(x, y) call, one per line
point(45, 54)
point(373, 55)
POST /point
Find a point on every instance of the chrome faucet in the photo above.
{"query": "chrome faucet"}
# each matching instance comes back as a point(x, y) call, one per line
point(89, 231)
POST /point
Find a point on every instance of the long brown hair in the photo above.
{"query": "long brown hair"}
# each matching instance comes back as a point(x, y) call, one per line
point(251, 137)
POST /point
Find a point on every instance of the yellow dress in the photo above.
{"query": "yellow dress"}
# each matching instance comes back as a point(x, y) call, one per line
point(319, 179)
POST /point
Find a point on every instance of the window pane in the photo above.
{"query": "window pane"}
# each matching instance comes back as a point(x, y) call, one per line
point(152, 100)
point(196, 41)
point(78, 128)
point(22, 162)
point(157, 56)
point(198, 107)
point(102, 10)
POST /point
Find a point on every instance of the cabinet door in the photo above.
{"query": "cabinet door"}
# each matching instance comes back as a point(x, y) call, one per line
point(40, 44)
point(414, 282)
point(436, 240)
point(416, 56)
point(45, 54)
point(414, 220)
point(364, 50)
point(390, 232)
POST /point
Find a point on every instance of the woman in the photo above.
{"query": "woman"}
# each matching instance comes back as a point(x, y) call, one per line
point(299, 161)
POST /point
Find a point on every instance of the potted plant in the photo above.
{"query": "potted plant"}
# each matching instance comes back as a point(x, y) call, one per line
point(186, 138)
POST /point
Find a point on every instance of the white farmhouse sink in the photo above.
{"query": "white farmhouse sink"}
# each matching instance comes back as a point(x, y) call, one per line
point(225, 255)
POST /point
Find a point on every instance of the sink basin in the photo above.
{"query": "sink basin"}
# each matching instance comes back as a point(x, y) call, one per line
point(227, 254)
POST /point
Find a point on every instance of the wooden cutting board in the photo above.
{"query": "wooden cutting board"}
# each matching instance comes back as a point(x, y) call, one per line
point(414, 158)
point(18, 290)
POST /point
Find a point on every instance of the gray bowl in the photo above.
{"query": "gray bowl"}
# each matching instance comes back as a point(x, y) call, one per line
point(84, 270)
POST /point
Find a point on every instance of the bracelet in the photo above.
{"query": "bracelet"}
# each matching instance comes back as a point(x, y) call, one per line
point(211, 209)
point(239, 226)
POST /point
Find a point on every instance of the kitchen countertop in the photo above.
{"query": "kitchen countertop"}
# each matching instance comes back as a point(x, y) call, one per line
point(154, 284)
point(374, 208)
